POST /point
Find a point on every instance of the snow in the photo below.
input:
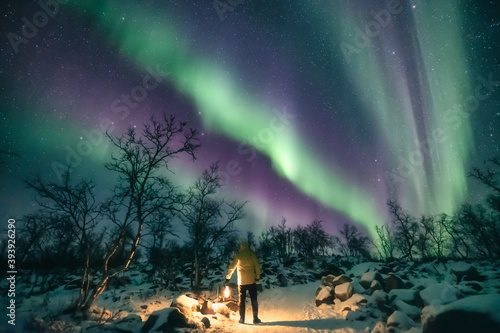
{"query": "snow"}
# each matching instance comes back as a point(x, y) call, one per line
point(460, 267)
point(282, 309)
point(439, 293)
point(364, 267)
point(487, 304)
point(292, 310)
point(400, 320)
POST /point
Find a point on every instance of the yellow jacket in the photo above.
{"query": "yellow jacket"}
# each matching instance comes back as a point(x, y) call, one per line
point(247, 264)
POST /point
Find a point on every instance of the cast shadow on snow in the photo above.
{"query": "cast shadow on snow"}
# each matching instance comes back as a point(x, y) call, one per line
point(319, 324)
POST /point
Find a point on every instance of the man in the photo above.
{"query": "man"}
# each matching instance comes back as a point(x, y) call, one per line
point(248, 274)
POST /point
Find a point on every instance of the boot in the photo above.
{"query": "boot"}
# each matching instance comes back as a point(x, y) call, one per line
point(255, 309)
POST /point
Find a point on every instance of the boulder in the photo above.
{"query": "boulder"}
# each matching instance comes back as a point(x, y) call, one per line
point(465, 271)
point(343, 291)
point(222, 309)
point(411, 311)
point(327, 280)
point(233, 306)
point(206, 322)
point(439, 293)
point(401, 321)
point(375, 285)
point(341, 279)
point(460, 321)
point(186, 305)
point(165, 320)
point(368, 277)
point(409, 296)
point(282, 280)
point(207, 308)
point(393, 282)
point(324, 295)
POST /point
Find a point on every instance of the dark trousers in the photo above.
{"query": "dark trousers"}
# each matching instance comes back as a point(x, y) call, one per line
point(252, 290)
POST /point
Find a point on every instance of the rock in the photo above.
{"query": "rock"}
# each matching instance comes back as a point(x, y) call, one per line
point(379, 328)
point(357, 288)
point(165, 320)
point(324, 296)
point(207, 308)
point(375, 285)
point(206, 322)
point(327, 280)
point(411, 311)
point(393, 282)
point(222, 309)
point(186, 305)
point(232, 305)
point(460, 321)
point(343, 291)
point(117, 282)
point(144, 306)
point(385, 270)
point(282, 280)
point(400, 320)
point(368, 277)
point(469, 288)
point(465, 271)
point(341, 279)
point(439, 293)
point(409, 296)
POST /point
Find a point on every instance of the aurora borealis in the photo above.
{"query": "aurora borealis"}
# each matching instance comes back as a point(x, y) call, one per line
point(315, 109)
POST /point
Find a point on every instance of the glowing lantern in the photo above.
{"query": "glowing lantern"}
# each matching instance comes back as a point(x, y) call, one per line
point(226, 292)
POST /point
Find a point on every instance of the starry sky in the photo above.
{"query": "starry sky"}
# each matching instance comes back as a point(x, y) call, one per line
point(314, 109)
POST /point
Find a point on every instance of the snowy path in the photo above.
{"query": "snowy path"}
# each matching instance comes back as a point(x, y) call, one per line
point(290, 309)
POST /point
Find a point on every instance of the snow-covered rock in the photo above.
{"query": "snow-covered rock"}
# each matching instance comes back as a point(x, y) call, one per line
point(324, 296)
point(166, 318)
point(393, 282)
point(368, 277)
point(410, 310)
point(207, 308)
point(464, 270)
point(471, 314)
point(222, 309)
point(439, 293)
point(409, 296)
point(400, 320)
point(343, 291)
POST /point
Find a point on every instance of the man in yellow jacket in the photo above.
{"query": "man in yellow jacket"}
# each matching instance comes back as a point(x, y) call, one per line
point(248, 274)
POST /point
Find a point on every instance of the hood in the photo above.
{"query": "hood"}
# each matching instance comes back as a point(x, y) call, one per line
point(244, 246)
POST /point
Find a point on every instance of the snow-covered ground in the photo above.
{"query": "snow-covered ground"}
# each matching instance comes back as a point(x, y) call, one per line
point(363, 297)
point(291, 309)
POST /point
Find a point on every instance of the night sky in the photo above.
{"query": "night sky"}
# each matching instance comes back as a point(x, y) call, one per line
point(315, 109)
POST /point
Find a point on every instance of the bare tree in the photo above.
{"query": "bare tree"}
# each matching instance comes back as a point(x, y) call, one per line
point(407, 229)
point(386, 242)
point(142, 191)
point(435, 229)
point(352, 242)
point(77, 203)
point(207, 218)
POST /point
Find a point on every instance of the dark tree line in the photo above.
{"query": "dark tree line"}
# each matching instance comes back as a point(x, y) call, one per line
point(473, 231)
point(280, 242)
